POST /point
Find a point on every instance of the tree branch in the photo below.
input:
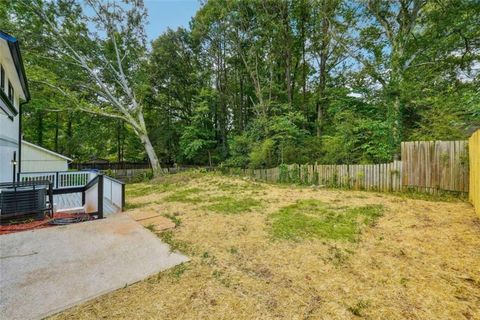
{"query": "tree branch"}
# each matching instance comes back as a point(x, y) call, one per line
point(78, 103)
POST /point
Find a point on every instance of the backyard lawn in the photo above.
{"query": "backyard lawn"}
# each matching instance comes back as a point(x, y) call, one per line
point(262, 251)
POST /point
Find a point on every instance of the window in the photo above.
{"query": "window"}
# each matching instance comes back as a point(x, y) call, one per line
point(11, 94)
point(2, 78)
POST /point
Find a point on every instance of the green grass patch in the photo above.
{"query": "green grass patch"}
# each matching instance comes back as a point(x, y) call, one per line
point(150, 227)
point(229, 205)
point(186, 196)
point(174, 219)
point(178, 270)
point(144, 189)
point(359, 308)
point(234, 187)
point(130, 205)
point(442, 195)
point(173, 274)
point(175, 244)
point(313, 219)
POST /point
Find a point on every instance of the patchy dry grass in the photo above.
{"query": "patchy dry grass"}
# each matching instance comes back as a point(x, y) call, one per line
point(190, 195)
point(229, 205)
point(411, 258)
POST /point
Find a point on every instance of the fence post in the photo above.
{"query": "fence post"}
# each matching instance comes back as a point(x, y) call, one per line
point(50, 197)
point(123, 196)
point(474, 162)
point(100, 196)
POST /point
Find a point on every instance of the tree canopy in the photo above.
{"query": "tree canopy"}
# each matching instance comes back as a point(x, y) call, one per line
point(250, 83)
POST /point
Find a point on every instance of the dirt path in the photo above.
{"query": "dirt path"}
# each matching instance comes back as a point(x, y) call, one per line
point(421, 260)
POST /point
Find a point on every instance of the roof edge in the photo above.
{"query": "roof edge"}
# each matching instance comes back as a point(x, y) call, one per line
point(47, 151)
point(14, 47)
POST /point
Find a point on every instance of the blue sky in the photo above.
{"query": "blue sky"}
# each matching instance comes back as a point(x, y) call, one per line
point(163, 14)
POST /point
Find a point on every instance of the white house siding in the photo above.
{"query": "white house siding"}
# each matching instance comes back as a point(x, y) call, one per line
point(8, 127)
point(36, 159)
point(8, 145)
point(7, 148)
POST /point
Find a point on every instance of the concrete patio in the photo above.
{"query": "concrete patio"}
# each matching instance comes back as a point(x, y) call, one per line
point(48, 270)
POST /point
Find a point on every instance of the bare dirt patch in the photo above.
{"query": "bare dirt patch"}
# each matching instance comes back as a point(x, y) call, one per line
point(419, 260)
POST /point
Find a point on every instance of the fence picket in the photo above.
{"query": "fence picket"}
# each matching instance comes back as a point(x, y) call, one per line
point(426, 166)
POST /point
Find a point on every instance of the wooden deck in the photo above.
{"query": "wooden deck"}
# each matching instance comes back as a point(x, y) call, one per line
point(74, 200)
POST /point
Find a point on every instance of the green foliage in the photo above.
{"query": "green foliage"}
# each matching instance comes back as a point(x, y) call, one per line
point(198, 138)
point(256, 83)
point(284, 176)
point(240, 148)
point(262, 154)
point(307, 219)
point(357, 139)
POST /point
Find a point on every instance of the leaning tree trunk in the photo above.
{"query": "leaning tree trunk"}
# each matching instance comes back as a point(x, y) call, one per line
point(141, 130)
point(152, 156)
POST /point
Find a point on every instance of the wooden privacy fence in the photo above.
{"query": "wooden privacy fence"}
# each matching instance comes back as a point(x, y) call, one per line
point(435, 165)
point(109, 165)
point(426, 166)
point(474, 159)
point(132, 175)
point(380, 177)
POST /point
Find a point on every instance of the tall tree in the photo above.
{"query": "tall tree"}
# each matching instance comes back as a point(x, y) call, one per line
point(250, 83)
point(112, 56)
point(326, 49)
point(385, 46)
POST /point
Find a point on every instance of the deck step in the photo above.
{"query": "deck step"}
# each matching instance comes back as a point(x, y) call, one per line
point(72, 210)
point(67, 202)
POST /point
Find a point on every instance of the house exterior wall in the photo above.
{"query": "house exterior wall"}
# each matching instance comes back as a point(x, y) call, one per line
point(9, 128)
point(37, 160)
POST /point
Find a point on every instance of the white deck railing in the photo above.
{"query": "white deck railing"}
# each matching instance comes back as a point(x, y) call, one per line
point(60, 179)
point(113, 191)
point(105, 191)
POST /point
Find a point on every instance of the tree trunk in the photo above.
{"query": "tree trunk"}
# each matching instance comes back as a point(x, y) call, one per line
point(40, 128)
point(56, 131)
point(395, 121)
point(141, 131)
point(304, 74)
point(119, 141)
point(152, 156)
point(323, 70)
point(394, 109)
point(69, 134)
